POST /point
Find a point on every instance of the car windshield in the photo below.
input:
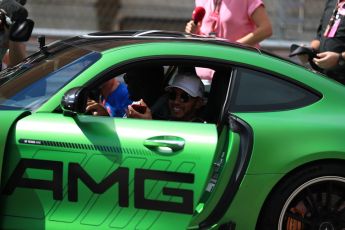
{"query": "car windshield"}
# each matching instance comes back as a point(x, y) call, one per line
point(30, 84)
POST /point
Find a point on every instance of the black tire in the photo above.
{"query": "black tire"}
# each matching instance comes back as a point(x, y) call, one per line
point(312, 198)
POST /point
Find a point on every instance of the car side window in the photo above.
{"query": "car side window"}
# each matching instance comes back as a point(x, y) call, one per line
point(256, 91)
point(171, 92)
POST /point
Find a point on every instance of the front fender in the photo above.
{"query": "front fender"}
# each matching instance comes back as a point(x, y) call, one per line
point(7, 119)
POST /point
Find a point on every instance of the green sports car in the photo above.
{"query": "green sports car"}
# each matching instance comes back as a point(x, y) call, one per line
point(270, 154)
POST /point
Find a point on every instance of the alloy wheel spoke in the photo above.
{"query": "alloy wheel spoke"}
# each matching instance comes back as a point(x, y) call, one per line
point(298, 217)
point(313, 203)
point(329, 196)
point(341, 214)
point(339, 206)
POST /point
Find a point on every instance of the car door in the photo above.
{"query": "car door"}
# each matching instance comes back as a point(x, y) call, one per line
point(86, 171)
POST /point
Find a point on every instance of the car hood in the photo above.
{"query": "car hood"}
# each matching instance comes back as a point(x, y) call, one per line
point(7, 119)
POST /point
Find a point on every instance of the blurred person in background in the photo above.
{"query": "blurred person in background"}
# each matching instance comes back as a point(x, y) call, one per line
point(329, 44)
point(13, 13)
point(244, 21)
point(16, 52)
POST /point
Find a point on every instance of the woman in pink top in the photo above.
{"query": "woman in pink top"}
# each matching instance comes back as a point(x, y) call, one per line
point(243, 21)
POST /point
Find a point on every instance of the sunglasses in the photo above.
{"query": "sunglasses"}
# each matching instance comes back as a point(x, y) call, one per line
point(183, 97)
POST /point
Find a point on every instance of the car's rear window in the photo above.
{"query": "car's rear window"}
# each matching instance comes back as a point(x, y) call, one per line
point(257, 92)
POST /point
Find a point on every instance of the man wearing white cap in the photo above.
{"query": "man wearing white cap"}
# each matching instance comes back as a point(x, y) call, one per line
point(185, 98)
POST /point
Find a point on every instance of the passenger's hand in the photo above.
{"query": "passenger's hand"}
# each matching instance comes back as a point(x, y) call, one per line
point(96, 109)
point(132, 113)
point(326, 60)
point(192, 28)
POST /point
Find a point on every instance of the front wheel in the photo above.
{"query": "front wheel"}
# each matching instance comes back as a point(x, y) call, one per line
point(313, 198)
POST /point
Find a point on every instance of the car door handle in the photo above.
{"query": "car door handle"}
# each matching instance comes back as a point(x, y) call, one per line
point(165, 144)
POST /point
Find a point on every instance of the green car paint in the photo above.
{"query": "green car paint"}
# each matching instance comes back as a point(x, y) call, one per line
point(117, 151)
point(211, 196)
point(7, 119)
point(64, 171)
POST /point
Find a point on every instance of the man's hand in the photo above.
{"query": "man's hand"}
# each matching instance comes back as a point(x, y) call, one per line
point(96, 109)
point(192, 28)
point(132, 113)
point(326, 60)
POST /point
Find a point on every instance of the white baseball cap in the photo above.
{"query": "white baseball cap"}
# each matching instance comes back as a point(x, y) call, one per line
point(188, 82)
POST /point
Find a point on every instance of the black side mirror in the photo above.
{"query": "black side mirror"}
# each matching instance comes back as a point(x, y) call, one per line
point(74, 101)
point(21, 31)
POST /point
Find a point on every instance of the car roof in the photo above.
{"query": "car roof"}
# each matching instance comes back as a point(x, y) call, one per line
point(102, 41)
